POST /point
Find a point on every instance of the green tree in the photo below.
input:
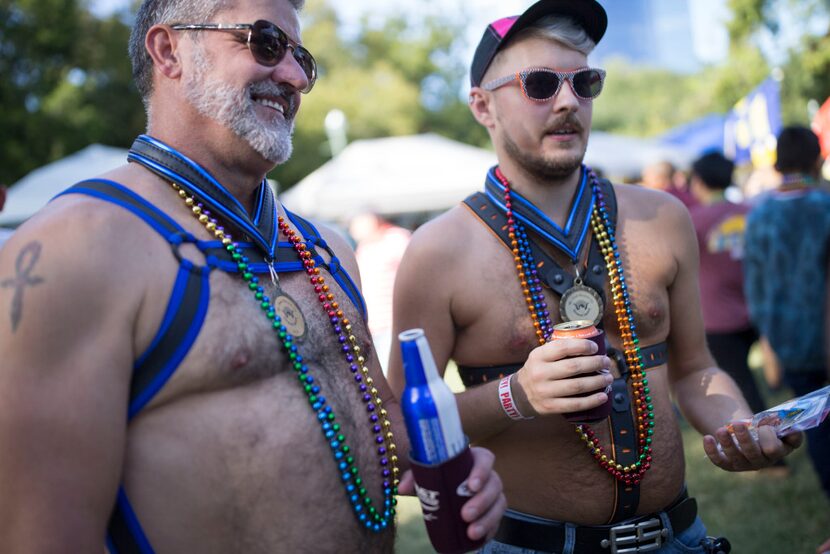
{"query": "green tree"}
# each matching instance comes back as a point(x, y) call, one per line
point(398, 77)
point(66, 83)
point(806, 68)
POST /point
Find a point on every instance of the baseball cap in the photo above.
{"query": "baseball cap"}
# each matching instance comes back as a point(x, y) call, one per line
point(588, 13)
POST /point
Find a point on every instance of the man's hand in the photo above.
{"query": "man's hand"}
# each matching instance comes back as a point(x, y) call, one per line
point(558, 370)
point(745, 452)
point(484, 510)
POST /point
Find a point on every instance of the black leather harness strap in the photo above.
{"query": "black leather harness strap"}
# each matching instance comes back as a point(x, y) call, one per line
point(550, 272)
point(623, 439)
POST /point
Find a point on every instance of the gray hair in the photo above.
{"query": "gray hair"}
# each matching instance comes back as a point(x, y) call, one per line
point(562, 29)
point(154, 12)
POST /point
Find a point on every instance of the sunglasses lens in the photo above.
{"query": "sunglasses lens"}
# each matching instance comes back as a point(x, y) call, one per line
point(588, 83)
point(268, 43)
point(541, 85)
point(307, 63)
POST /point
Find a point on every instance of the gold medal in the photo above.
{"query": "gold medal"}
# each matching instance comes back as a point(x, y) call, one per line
point(291, 315)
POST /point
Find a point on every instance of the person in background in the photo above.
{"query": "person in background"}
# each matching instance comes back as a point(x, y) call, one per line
point(547, 241)
point(662, 175)
point(380, 247)
point(720, 225)
point(786, 274)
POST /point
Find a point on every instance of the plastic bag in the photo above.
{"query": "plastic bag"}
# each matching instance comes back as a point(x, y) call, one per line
point(798, 414)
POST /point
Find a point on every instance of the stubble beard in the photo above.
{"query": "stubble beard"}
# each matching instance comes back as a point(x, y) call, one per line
point(234, 108)
point(540, 168)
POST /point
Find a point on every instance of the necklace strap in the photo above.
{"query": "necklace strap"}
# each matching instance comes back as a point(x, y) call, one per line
point(172, 165)
point(492, 213)
point(570, 239)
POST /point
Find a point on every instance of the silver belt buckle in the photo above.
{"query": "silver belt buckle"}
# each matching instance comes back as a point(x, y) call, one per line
point(646, 536)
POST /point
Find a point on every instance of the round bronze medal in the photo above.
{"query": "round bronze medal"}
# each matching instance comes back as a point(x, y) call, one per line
point(581, 303)
point(291, 315)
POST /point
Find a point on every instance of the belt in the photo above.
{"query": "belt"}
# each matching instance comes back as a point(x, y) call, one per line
point(640, 534)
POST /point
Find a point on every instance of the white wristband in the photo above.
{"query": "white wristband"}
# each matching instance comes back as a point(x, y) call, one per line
point(507, 402)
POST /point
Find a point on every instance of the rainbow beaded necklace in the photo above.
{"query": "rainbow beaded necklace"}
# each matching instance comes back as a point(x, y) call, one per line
point(367, 514)
point(604, 234)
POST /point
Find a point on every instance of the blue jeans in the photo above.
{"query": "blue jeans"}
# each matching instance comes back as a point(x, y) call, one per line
point(687, 542)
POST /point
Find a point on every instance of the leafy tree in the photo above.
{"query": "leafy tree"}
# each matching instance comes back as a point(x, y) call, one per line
point(806, 69)
point(396, 78)
point(66, 83)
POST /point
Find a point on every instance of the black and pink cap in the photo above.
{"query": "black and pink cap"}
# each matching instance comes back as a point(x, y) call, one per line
point(589, 13)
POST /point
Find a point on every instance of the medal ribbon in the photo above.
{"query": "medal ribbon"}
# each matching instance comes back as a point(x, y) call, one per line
point(171, 165)
point(569, 240)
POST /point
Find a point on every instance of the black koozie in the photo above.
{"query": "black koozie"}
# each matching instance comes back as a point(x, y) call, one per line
point(442, 492)
point(594, 415)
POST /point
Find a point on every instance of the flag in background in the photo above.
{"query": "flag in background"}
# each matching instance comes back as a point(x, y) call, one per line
point(821, 127)
point(753, 124)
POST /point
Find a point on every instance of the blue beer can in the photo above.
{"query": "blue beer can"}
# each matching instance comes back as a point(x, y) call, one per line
point(428, 404)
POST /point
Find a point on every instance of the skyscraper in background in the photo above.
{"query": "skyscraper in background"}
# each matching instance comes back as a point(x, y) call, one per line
point(655, 33)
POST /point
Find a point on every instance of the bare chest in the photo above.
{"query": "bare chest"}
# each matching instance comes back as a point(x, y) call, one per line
point(495, 314)
point(245, 339)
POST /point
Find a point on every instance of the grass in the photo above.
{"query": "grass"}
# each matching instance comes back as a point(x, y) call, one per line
point(759, 513)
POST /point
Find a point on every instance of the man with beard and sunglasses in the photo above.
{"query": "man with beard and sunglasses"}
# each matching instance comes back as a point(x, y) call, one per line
point(587, 444)
point(185, 363)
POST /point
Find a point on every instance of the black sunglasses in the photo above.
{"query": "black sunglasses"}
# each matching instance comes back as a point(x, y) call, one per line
point(542, 84)
point(267, 43)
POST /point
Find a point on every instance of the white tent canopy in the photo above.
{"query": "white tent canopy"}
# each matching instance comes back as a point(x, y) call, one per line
point(34, 190)
point(418, 173)
point(623, 157)
point(425, 173)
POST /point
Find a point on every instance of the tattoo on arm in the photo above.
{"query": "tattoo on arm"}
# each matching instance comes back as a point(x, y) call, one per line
point(24, 265)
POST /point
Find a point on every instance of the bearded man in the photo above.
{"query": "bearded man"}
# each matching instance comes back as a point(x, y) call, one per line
point(547, 242)
point(186, 367)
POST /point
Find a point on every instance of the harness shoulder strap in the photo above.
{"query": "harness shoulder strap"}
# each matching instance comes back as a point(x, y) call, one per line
point(183, 319)
point(186, 308)
point(549, 271)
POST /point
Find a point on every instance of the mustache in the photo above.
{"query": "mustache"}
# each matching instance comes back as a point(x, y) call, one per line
point(567, 120)
point(286, 93)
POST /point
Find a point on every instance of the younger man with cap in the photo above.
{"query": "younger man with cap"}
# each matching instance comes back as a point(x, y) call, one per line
point(548, 241)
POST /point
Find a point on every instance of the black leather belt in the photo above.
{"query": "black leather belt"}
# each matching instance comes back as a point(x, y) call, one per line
point(640, 534)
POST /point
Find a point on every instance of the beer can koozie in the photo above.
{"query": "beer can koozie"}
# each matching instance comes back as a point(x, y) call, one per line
point(442, 492)
point(585, 330)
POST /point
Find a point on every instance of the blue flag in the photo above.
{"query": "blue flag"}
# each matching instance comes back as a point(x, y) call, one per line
point(753, 124)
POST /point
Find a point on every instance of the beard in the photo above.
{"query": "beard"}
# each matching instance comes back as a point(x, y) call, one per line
point(234, 108)
point(540, 168)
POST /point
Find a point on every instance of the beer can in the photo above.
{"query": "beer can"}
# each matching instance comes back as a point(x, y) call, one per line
point(428, 404)
point(581, 329)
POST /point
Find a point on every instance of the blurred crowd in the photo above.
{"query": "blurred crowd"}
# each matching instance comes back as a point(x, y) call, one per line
point(764, 239)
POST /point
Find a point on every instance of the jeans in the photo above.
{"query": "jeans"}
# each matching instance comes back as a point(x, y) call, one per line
point(688, 542)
